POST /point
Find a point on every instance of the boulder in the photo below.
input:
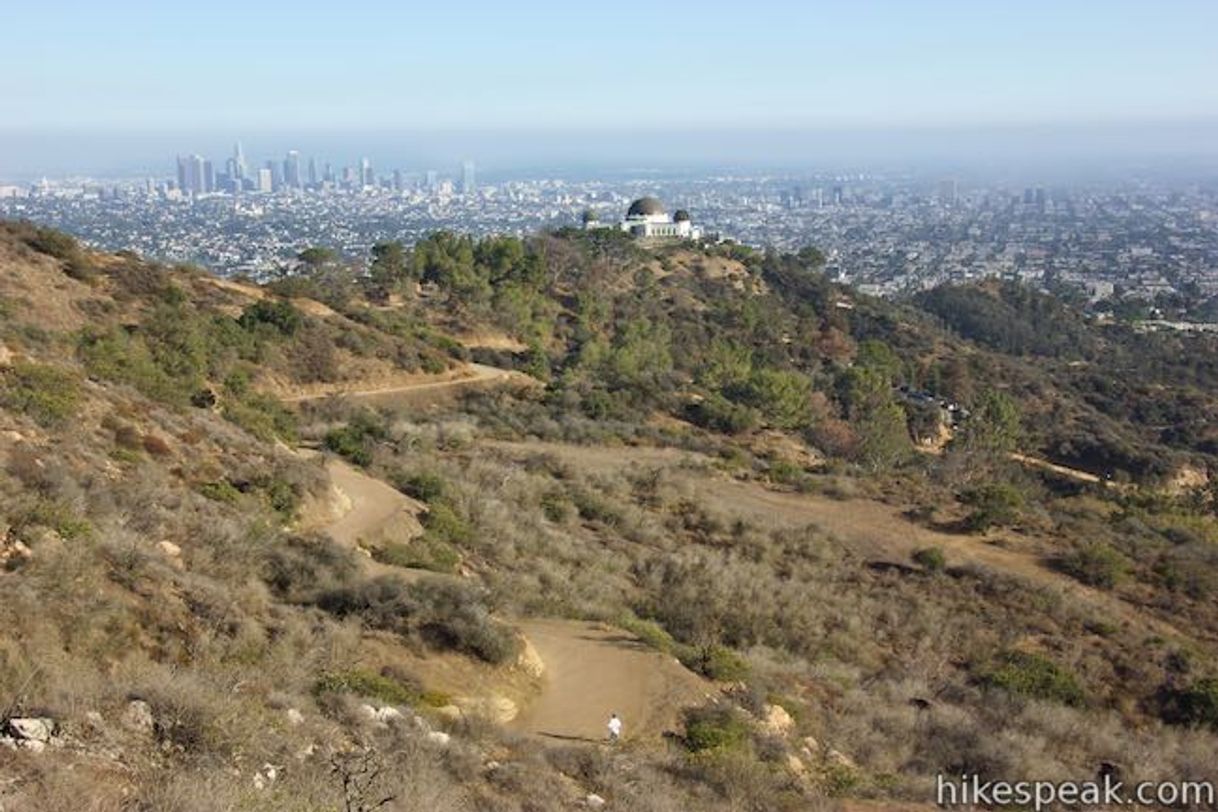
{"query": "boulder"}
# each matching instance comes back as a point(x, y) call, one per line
point(387, 714)
point(594, 801)
point(838, 758)
point(32, 729)
point(776, 721)
point(295, 717)
point(439, 737)
point(138, 716)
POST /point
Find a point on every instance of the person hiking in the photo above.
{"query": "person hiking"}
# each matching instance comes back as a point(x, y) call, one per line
point(615, 727)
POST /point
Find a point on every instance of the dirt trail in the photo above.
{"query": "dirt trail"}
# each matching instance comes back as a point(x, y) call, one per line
point(592, 671)
point(404, 391)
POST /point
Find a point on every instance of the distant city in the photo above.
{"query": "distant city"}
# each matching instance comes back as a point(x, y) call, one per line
point(887, 233)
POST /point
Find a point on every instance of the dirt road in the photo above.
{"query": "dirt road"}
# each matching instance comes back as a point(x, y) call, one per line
point(414, 389)
point(592, 671)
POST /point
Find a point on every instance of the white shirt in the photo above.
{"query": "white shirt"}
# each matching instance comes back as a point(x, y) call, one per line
point(615, 726)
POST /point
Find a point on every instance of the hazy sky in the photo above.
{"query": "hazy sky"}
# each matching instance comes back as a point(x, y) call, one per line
point(224, 66)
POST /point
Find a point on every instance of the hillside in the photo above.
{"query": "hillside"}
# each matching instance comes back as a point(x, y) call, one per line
point(411, 528)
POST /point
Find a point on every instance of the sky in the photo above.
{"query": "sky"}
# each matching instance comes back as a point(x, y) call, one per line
point(106, 78)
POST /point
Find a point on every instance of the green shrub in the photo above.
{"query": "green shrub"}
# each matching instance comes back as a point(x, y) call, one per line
point(424, 486)
point(995, 504)
point(261, 415)
point(720, 414)
point(556, 506)
point(715, 662)
point(426, 553)
point(220, 490)
point(54, 515)
point(715, 729)
point(1033, 676)
point(63, 247)
point(1096, 564)
point(650, 632)
point(931, 559)
point(276, 314)
point(369, 685)
point(444, 524)
point(1195, 705)
point(356, 440)
point(48, 395)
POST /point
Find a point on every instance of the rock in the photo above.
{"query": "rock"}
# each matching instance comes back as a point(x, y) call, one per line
point(266, 776)
point(839, 758)
point(305, 753)
point(777, 722)
point(32, 745)
point(295, 717)
point(138, 716)
point(95, 721)
point(594, 801)
point(368, 712)
point(387, 714)
point(810, 744)
point(439, 737)
point(795, 764)
point(172, 553)
point(14, 554)
point(498, 709)
point(529, 661)
point(33, 729)
point(6, 356)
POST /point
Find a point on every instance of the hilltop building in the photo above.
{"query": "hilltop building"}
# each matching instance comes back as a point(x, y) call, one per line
point(646, 219)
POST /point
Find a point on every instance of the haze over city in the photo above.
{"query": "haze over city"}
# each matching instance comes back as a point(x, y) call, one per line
point(121, 88)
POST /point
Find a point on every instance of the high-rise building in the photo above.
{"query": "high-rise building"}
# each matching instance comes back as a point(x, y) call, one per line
point(433, 180)
point(209, 176)
point(312, 171)
point(468, 181)
point(291, 170)
point(183, 173)
point(397, 180)
point(327, 175)
point(239, 162)
point(366, 177)
point(266, 181)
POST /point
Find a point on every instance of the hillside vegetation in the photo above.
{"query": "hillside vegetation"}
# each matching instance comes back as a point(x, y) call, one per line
point(973, 532)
